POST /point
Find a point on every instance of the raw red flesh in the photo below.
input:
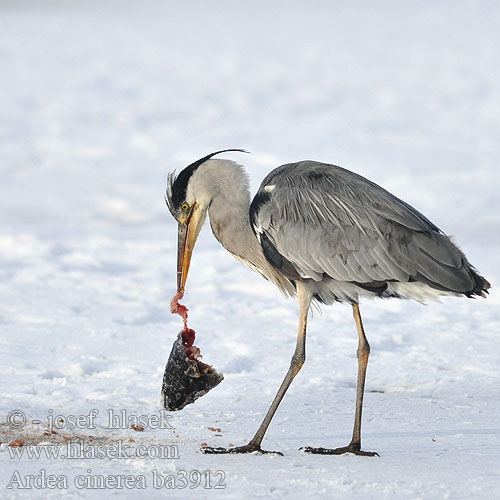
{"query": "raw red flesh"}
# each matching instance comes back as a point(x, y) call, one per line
point(188, 334)
point(186, 377)
point(176, 308)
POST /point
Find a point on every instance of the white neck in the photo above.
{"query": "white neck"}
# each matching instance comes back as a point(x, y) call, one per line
point(222, 188)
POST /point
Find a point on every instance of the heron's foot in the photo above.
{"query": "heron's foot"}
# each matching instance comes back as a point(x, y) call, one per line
point(248, 448)
point(355, 449)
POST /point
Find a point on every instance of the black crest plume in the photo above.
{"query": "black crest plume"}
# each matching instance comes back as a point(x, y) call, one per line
point(177, 185)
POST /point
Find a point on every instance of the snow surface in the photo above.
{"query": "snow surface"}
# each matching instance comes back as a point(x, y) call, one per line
point(100, 100)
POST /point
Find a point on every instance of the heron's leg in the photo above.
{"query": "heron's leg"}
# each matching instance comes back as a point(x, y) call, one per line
point(363, 352)
point(298, 358)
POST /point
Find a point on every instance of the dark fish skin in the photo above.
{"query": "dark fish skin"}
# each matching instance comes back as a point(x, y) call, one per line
point(186, 380)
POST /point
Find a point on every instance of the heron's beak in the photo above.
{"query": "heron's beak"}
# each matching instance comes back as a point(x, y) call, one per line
point(188, 232)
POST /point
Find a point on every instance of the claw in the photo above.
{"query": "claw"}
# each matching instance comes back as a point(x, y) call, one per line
point(340, 451)
point(248, 448)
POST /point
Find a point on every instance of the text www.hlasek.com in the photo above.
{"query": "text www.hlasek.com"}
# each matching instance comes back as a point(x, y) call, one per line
point(76, 449)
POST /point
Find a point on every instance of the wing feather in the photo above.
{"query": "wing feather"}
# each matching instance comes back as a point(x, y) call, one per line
point(327, 221)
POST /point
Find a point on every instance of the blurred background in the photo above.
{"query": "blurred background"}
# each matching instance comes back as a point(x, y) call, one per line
point(121, 92)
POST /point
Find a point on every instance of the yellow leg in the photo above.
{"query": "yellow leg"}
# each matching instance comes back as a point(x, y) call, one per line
point(363, 353)
point(298, 359)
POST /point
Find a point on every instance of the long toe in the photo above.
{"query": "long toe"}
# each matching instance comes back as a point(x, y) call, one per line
point(239, 449)
point(340, 451)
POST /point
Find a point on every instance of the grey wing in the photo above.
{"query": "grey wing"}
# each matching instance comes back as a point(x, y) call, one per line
point(316, 220)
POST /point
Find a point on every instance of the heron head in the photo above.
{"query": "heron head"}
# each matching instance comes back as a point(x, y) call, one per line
point(188, 202)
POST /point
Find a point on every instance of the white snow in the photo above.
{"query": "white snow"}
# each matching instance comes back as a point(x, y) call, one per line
point(100, 100)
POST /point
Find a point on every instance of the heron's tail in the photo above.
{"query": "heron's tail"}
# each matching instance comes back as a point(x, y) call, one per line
point(481, 285)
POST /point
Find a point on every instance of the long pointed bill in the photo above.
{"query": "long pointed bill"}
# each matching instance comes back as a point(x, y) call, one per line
point(187, 235)
point(184, 251)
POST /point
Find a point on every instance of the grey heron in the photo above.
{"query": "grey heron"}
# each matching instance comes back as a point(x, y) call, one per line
point(321, 233)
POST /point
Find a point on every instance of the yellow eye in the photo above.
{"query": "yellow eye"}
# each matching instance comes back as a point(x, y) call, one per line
point(184, 207)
